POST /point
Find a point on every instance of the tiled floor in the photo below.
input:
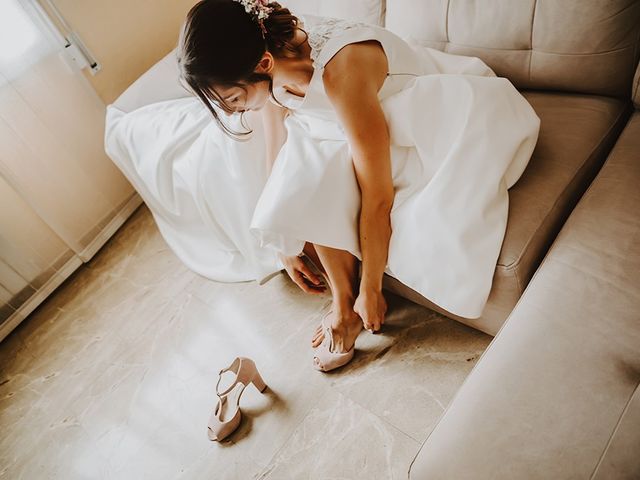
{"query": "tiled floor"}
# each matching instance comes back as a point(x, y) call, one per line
point(113, 377)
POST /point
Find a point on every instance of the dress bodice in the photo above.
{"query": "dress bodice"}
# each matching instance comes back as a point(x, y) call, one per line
point(324, 29)
point(326, 37)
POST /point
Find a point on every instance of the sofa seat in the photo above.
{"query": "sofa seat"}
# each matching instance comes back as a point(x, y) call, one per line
point(556, 393)
point(576, 134)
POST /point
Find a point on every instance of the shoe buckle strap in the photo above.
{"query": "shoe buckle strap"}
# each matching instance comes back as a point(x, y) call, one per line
point(228, 389)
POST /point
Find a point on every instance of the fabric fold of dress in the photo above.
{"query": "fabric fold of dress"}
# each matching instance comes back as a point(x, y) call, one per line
point(200, 185)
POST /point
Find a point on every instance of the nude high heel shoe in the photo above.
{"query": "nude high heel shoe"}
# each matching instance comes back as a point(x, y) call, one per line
point(325, 359)
point(226, 417)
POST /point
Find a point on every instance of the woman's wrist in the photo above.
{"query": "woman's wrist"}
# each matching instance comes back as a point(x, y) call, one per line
point(370, 281)
point(370, 286)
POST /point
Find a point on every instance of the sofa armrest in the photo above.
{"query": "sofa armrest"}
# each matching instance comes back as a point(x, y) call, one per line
point(556, 393)
point(161, 82)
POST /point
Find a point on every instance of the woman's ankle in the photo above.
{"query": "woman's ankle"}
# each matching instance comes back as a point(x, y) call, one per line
point(344, 316)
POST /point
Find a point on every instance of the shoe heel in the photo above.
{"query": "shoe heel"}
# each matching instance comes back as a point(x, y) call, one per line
point(258, 382)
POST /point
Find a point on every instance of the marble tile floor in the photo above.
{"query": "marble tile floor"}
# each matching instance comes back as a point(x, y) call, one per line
point(113, 377)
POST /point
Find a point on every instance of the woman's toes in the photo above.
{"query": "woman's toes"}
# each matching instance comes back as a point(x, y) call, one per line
point(318, 336)
point(317, 341)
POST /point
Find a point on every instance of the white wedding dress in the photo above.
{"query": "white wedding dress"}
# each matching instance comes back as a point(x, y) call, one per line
point(460, 137)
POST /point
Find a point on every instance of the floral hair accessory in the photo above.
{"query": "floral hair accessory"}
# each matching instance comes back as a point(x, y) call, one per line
point(259, 10)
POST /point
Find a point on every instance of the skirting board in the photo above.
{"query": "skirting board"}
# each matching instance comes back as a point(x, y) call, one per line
point(69, 267)
point(112, 227)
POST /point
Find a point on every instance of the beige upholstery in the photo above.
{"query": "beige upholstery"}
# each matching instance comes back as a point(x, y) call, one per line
point(161, 82)
point(556, 393)
point(588, 46)
point(577, 132)
point(369, 11)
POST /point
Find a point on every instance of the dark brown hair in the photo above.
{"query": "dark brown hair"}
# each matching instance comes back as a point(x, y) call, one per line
point(221, 44)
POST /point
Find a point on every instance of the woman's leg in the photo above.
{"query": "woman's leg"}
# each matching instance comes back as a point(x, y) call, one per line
point(310, 250)
point(341, 268)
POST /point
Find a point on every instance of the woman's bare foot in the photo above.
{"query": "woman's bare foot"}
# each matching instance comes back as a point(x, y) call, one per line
point(346, 329)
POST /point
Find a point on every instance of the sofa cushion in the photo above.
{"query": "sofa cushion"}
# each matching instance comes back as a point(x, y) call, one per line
point(573, 45)
point(369, 11)
point(556, 393)
point(619, 459)
point(576, 133)
point(161, 82)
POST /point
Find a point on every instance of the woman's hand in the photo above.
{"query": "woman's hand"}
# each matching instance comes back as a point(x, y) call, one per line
point(371, 306)
point(302, 275)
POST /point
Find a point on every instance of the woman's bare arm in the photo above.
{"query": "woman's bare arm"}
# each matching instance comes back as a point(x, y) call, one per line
point(352, 79)
point(274, 130)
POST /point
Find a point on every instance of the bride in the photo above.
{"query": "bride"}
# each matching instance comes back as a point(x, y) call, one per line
point(384, 157)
